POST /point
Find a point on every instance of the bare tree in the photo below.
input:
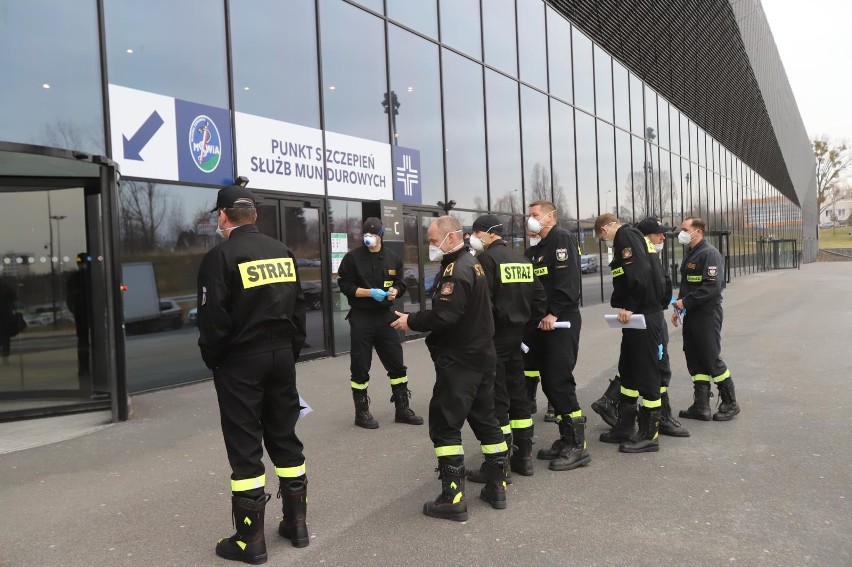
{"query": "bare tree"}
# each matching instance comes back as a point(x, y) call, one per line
point(142, 213)
point(834, 162)
point(643, 195)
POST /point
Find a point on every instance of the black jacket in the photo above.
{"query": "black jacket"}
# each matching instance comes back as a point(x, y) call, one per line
point(460, 319)
point(249, 297)
point(362, 268)
point(556, 262)
point(638, 282)
point(517, 296)
point(702, 276)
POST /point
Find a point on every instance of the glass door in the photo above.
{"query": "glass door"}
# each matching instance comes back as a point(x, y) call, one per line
point(301, 226)
point(419, 272)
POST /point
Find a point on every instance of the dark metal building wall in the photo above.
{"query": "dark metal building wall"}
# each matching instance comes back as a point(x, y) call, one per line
point(692, 52)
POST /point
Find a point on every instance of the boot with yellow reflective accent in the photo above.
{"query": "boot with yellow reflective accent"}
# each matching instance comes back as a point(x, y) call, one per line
point(294, 498)
point(574, 452)
point(480, 475)
point(450, 504)
point(494, 491)
point(404, 414)
point(248, 544)
point(648, 440)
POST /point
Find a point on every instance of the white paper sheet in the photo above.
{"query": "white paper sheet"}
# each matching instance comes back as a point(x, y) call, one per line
point(635, 322)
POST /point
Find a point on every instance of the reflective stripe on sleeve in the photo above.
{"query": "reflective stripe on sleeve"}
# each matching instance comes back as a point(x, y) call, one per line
point(532, 373)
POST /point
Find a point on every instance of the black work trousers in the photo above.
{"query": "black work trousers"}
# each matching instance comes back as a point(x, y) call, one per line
point(258, 402)
point(556, 355)
point(665, 365)
point(460, 394)
point(702, 342)
point(371, 328)
point(511, 399)
point(641, 357)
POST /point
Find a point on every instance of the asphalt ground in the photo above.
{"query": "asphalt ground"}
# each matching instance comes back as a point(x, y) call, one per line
point(771, 487)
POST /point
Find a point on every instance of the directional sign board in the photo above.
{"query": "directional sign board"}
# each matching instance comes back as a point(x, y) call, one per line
point(166, 138)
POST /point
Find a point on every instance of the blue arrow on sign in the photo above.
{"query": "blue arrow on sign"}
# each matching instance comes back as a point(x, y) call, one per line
point(143, 135)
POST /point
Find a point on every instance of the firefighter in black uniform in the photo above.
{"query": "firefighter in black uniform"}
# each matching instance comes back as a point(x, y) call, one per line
point(461, 345)
point(638, 288)
point(607, 406)
point(371, 277)
point(516, 298)
point(702, 279)
point(556, 262)
point(251, 319)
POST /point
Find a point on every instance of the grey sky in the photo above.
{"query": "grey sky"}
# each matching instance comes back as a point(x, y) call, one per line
point(814, 42)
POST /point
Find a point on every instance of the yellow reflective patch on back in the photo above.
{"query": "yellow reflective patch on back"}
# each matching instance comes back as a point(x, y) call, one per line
point(265, 272)
point(516, 273)
point(387, 283)
point(540, 271)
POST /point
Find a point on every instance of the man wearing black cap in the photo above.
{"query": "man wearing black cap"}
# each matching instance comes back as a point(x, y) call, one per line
point(517, 297)
point(370, 276)
point(638, 286)
point(251, 319)
point(607, 406)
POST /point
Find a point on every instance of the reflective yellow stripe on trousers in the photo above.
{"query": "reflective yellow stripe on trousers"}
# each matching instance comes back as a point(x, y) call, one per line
point(291, 472)
point(245, 484)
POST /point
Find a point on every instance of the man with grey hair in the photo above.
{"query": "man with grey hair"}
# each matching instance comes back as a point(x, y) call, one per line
point(462, 347)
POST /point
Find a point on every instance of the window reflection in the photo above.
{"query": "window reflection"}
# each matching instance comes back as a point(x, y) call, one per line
point(532, 46)
point(375, 5)
point(465, 132)
point(460, 26)
point(674, 120)
point(498, 29)
point(420, 15)
point(353, 71)
point(47, 101)
point(534, 120)
point(620, 202)
point(621, 89)
point(168, 66)
point(418, 123)
point(564, 171)
point(559, 55)
point(606, 165)
point(639, 181)
point(637, 110)
point(603, 84)
point(663, 122)
point(287, 89)
point(584, 86)
point(171, 228)
point(504, 142)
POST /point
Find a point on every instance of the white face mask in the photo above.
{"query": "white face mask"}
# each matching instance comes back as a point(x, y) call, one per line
point(476, 243)
point(435, 252)
point(370, 240)
point(534, 240)
point(221, 231)
point(684, 237)
point(659, 247)
point(534, 225)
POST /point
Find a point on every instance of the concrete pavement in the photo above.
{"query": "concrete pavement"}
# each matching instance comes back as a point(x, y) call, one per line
point(771, 487)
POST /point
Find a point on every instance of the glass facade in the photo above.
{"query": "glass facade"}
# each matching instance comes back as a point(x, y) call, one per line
point(506, 101)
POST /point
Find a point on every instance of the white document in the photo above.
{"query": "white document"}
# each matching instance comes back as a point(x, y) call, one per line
point(305, 408)
point(560, 325)
point(635, 322)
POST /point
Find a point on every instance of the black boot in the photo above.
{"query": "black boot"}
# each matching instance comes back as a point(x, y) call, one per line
point(668, 424)
point(649, 433)
point(532, 388)
point(450, 504)
point(363, 417)
point(494, 491)
point(625, 427)
point(550, 414)
point(700, 408)
point(521, 460)
point(480, 475)
point(574, 452)
point(607, 405)
point(248, 544)
point(294, 502)
point(404, 414)
point(729, 406)
point(555, 449)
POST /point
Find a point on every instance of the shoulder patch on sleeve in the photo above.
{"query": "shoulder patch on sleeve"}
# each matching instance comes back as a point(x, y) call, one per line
point(447, 288)
point(561, 254)
point(627, 252)
point(712, 271)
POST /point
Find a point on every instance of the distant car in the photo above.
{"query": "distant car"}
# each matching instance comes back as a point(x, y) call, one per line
point(588, 263)
point(171, 315)
point(827, 224)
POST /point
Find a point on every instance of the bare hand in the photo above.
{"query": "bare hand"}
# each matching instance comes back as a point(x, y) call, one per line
point(674, 318)
point(624, 316)
point(393, 293)
point(679, 305)
point(401, 324)
point(547, 323)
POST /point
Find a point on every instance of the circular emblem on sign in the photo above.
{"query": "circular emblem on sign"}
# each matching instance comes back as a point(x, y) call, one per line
point(205, 145)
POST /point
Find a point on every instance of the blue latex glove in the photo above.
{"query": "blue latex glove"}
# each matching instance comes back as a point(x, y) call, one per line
point(378, 294)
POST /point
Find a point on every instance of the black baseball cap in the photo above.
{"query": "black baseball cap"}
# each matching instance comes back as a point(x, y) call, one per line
point(373, 225)
point(650, 225)
point(488, 223)
point(234, 197)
